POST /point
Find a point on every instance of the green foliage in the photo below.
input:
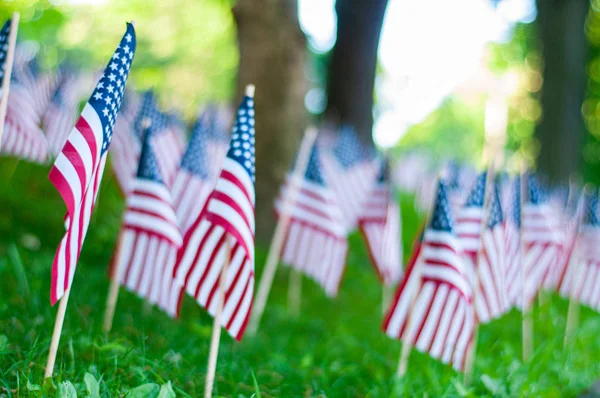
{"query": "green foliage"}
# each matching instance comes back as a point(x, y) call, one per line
point(335, 348)
point(186, 48)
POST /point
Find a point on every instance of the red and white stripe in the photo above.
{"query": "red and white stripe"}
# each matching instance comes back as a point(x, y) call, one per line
point(169, 147)
point(380, 227)
point(59, 120)
point(125, 151)
point(315, 242)
point(586, 282)
point(351, 187)
point(76, 174)
point(148, 245)
point(190, 193)
point(541, 246)
point(514, 286)
point(440, 321)
point(468, 230)
point(228, 214)
point(492, 301)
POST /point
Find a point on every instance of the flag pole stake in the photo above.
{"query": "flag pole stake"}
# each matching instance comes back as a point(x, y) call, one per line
point(527, 321)
point(8, 66)
point(295, 292)
point(216, 332)
point(266, 280)
point(113, 290)
point(58, 325)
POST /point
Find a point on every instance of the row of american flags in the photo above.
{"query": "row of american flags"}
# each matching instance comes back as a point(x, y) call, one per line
point(490, 242)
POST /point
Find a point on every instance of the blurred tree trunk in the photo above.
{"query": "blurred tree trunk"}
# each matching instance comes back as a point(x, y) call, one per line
point(272, 57)
point(561, 131)
point(351, 74)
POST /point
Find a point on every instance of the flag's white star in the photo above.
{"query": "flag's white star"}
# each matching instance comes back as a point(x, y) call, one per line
point(112, 77)
point(113, 66)
point(110, 88)
point(101, 84)
point(123, 59)
point(97, 96)
point(108, 100)
point(115, 55)
point(105, 112)
point(128, 37)
point(126, 49)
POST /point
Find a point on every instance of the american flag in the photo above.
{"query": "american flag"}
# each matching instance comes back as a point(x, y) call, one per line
point(440, 321)
point(127, 142)
point(315, 242)
point(165, 137)
point(196, 177)
point(541, 239)
point(350, 170)
point(468, 226)
point(227, 215)
point(514, 283)
point(491, 300)
point(23, 138)
point(457, 185)
point(568, 261)
point(61, 113)
point(149, 237)
point(78, 169)
point(379, 225)
point(586, 284)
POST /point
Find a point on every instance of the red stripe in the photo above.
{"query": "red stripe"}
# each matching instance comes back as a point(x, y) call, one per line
point(88, 134)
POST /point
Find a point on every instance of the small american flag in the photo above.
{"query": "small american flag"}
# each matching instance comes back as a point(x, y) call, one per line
point(491, 301)
point(23, 138)
point(441, 320)
point(350, 170)
point(61, 113)
point(568, 263)
point(167, 140)
point(586, 285)
point(541, 239)
point(315, 242)
point(196, 177)
point(150, 237)
point(228, 214)
point(379, 225)
point(514, 283)
point(78, 169)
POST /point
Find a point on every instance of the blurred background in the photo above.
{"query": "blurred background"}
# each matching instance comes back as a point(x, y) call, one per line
point(437, 76)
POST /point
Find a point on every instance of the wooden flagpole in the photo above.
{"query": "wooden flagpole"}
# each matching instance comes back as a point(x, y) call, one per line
point(58, 325)
point(295, 292)
point(266, 280)
point(216, 332)
point(472, 350)
point(527, 321)
point(8, 66)
point(573, 314)
point(113, 289)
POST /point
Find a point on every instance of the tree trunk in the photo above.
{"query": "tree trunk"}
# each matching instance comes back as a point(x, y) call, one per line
point(272, 56)
point(561, 131)
point(351, 74)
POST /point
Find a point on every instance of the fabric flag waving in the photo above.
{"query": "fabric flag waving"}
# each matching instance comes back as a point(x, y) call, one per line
point(435, 313)
point(316, 242)
point(569, 262)
point(127, 143)
point(78, 169)
point(379, 225)
point(149, 238)
point(491, 301)
point(228, 214)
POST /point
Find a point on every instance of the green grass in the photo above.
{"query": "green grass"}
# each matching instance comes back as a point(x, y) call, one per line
point(334, 349)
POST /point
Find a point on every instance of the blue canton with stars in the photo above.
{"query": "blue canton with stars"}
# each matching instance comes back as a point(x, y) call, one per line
point(477, 195)
point(195, 157)
point(349, 150)
point(495, 215)
point(108, 94)
point(453, 176)
point(440, 218)
point(515, 215)
point(149, 111)
point(241, 148)
point(313, 168)
point(4, 33)
point(148, 166)
point(536, 194)
point(590, 217)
